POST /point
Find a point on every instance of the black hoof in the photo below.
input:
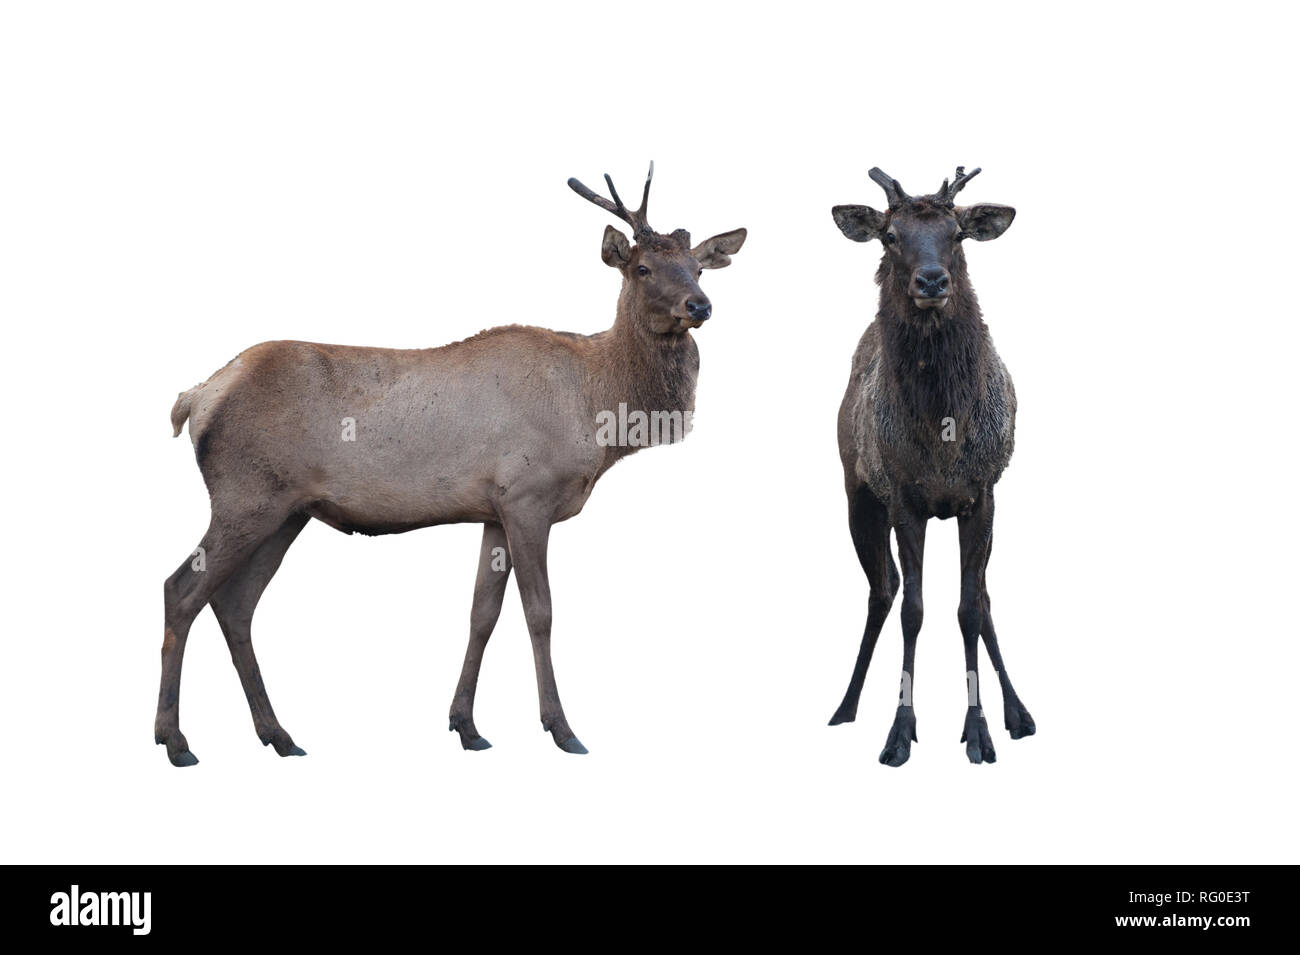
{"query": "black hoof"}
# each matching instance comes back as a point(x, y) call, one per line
point(183, 758)
point(283, 745)
point(898, 747)
point(572, 745)
point(896, 754)
point(841, 716)
point(469, 738)
point(1018, 721)
point(979, 745)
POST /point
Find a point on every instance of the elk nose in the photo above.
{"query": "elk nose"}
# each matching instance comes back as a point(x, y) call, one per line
point(932, 281)
point(698, 310)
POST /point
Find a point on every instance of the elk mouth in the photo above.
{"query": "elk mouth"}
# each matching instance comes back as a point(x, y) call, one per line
point(939, 302)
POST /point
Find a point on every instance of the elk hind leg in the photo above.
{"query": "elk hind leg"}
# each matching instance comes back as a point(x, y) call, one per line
point(230, 540)
point(1015, 716)
point(869, 527)
point(489, 592)
point(234, 604)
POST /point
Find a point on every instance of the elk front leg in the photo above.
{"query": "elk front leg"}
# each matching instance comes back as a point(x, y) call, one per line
point(975, 531)
point(528, 539)
point(489, 591)
point(911, 554)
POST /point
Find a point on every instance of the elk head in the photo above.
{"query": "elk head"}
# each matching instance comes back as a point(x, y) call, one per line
point(922, 235)
point(661, 273)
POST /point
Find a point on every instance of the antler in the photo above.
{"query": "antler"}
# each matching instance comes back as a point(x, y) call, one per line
point(948, 193)
point(637, 219)
point(892, 189)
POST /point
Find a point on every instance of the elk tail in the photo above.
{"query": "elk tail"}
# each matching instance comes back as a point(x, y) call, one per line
point(181, 410)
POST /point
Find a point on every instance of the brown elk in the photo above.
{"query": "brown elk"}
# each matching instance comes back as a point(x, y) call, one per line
point(499, 429)
point(925, 430)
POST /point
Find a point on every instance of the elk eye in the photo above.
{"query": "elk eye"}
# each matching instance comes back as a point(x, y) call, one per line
point(890, 238)
point(642, 271)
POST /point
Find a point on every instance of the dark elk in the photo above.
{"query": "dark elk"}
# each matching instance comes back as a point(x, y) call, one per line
point(925, 430)
point(501, 429)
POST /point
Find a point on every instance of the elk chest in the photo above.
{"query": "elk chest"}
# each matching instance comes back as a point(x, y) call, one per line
point(931, 452)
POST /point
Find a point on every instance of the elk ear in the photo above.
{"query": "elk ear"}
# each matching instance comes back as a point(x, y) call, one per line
point(859, 223)
point(615, 249)
point(716, 251)
point(985, 221)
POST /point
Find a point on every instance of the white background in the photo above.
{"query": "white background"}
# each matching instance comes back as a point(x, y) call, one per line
point(182, 181)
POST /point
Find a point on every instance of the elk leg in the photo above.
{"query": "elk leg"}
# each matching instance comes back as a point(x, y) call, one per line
point(489, 590)
point(1015, 717)
point(975, 532)
point(869, 527)
point(234, 604)
point(228, 542)
point(528, 539)
point(911, 554)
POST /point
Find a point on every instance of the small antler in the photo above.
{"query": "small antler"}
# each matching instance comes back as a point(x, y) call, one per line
point(637, 219)
point(892, 189)
point(947, 193)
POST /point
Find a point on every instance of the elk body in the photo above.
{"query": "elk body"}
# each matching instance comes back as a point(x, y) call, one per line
point(499, 429)
point(925, 430)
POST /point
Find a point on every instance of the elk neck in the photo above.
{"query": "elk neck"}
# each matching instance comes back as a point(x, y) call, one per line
point(647, 371)
point(937, 358)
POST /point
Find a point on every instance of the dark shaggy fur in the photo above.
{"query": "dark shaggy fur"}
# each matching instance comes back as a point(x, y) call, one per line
point(926, 428)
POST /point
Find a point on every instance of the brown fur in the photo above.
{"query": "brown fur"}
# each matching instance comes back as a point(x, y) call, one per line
point(498, 429)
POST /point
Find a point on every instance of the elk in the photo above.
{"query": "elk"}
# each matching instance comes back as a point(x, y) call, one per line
point(926, 428)
point(498, 429)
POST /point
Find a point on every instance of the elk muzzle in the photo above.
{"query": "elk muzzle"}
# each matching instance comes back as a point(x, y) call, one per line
point(931, 285)
point(698, 309)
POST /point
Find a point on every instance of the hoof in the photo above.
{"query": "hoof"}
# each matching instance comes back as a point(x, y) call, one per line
point(979, 745)
point(841, 716)
point(1018, 721)
point(898, 747)
point(572, 745)
point(469, 738)
point(284, 746)
point(896, 754)
point(178, 750)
